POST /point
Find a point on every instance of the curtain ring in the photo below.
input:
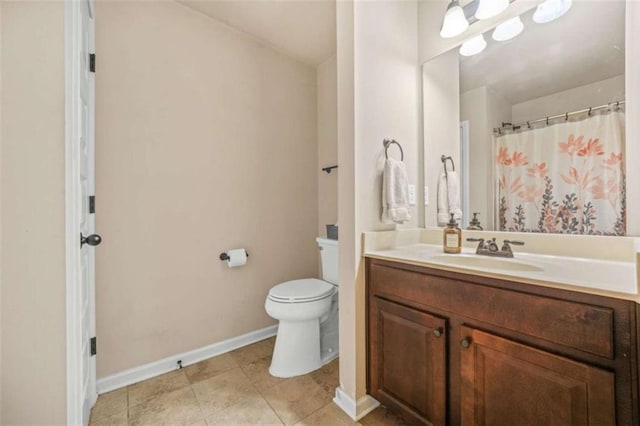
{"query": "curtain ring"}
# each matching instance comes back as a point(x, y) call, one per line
point(547, 121)
point(566, 116)
point(528, 125)
point(589, 112)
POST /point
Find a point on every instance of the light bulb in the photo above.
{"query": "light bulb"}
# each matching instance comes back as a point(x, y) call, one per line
point(508, 29)
point(473, 46)
point(490, 8)
point(550, 10)
point(454, 22)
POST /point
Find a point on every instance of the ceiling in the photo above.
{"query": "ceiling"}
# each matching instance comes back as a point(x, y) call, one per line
point(583, 46)
point(302, 29)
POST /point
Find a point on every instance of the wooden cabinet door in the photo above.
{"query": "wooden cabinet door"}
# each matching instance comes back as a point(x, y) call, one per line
point(507, 383)
point(408, 361)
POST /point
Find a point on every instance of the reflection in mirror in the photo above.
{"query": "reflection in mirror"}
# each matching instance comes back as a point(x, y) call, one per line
point(541, 125)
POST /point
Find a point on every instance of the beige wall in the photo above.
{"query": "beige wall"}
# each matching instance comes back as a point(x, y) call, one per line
point(33, 371)
point(349, 257)
point(498, 111)
point(206, 141)
point(327, 144)
point(377, 99)
point(440, 80)
point(1, 403)
point(632, 130)
point(484, 109)
point(1, 371)
point(598, 93)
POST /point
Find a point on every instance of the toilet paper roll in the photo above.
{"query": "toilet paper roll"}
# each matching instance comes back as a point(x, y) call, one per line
point(237, 257)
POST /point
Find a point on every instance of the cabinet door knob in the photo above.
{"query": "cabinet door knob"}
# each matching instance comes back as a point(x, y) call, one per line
point(466, 342)
point(438, 332)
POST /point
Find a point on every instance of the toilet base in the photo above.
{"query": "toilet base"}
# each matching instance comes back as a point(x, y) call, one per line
point(297, 349)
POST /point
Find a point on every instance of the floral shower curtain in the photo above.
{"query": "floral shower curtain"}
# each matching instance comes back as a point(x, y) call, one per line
point(565, 178)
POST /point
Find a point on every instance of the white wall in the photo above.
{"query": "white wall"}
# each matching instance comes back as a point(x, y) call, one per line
point(205, 141)
point(594, 94)
point(327, 144)
point(33, 370)
point(377, 98)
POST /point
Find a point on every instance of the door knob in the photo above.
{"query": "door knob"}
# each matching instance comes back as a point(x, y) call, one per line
point(92, 240)
point(438, 332)
point(466, 342)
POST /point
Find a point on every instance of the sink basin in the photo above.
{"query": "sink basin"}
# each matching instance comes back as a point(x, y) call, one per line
point(476, 261)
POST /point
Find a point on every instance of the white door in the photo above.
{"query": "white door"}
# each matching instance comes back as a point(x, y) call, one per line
point(80, 221)
point(87, 210)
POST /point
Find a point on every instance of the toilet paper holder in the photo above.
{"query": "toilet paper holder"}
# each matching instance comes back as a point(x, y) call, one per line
point(225, 256)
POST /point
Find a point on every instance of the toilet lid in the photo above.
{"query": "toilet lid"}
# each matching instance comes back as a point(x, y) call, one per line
point(305, 290)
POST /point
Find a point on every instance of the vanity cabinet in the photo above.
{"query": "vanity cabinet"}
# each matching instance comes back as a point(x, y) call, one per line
point(446, 348)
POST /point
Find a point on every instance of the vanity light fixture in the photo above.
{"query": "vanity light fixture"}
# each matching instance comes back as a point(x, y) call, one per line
point(508, 29)
point(550, 10)
point(490, 8)
point(473, 46)
point(454, 22)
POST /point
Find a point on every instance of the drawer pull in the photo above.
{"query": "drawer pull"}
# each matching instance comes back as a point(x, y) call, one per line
point(438, 332)
point(466, 342)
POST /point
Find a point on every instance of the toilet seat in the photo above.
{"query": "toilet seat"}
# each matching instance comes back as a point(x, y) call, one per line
point(301, 291)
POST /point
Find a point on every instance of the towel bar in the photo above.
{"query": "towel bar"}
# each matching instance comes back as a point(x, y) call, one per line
point(388, 142)
point(444, 159)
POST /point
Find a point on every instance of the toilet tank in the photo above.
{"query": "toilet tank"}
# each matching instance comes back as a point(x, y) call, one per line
point(329, 259)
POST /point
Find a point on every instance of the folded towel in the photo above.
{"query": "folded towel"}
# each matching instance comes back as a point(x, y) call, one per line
point(448, 197)
point(395, 200)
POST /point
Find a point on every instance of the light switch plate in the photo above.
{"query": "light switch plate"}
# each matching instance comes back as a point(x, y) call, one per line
point(426, 195)
point(412, 194)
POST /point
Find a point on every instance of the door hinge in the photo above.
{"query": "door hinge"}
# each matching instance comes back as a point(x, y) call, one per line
point(93, 346)
point(92, 62)
point(92, 203)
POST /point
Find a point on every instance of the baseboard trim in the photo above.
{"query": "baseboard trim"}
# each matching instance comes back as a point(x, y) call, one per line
point(355, 410)
point(156, 368)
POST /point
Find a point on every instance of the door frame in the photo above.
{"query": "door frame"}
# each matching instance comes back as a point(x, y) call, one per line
point(73, 203)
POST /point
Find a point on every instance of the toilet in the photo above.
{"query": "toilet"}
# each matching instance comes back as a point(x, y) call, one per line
point(307, 311)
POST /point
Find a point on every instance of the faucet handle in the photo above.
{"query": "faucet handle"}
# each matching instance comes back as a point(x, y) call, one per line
point(475, 240)
point(506, 246)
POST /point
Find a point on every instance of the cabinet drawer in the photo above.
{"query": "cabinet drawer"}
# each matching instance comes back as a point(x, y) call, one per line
point(584, 327)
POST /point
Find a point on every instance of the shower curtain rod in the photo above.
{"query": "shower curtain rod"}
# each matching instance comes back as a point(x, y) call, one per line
point(566, 115)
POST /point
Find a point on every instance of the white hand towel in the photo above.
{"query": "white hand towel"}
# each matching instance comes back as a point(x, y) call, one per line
point(443, 203)
point(395, 200)
point(453, 195)
point(448, 198)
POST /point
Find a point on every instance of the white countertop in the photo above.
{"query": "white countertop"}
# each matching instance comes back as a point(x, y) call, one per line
point(587, 275)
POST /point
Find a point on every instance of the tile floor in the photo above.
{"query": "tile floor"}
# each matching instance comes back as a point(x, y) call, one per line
point(231, 389)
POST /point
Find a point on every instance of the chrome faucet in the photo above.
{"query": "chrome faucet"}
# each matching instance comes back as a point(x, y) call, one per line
point(490, 247)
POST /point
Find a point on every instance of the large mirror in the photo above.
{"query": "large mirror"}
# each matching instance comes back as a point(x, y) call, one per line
point(534, 127)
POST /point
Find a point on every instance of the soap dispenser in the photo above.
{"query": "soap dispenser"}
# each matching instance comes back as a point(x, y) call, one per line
point(452, 238)
point(474, 225)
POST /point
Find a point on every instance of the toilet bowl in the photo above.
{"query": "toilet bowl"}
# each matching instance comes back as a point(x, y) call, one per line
point(307, 311)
